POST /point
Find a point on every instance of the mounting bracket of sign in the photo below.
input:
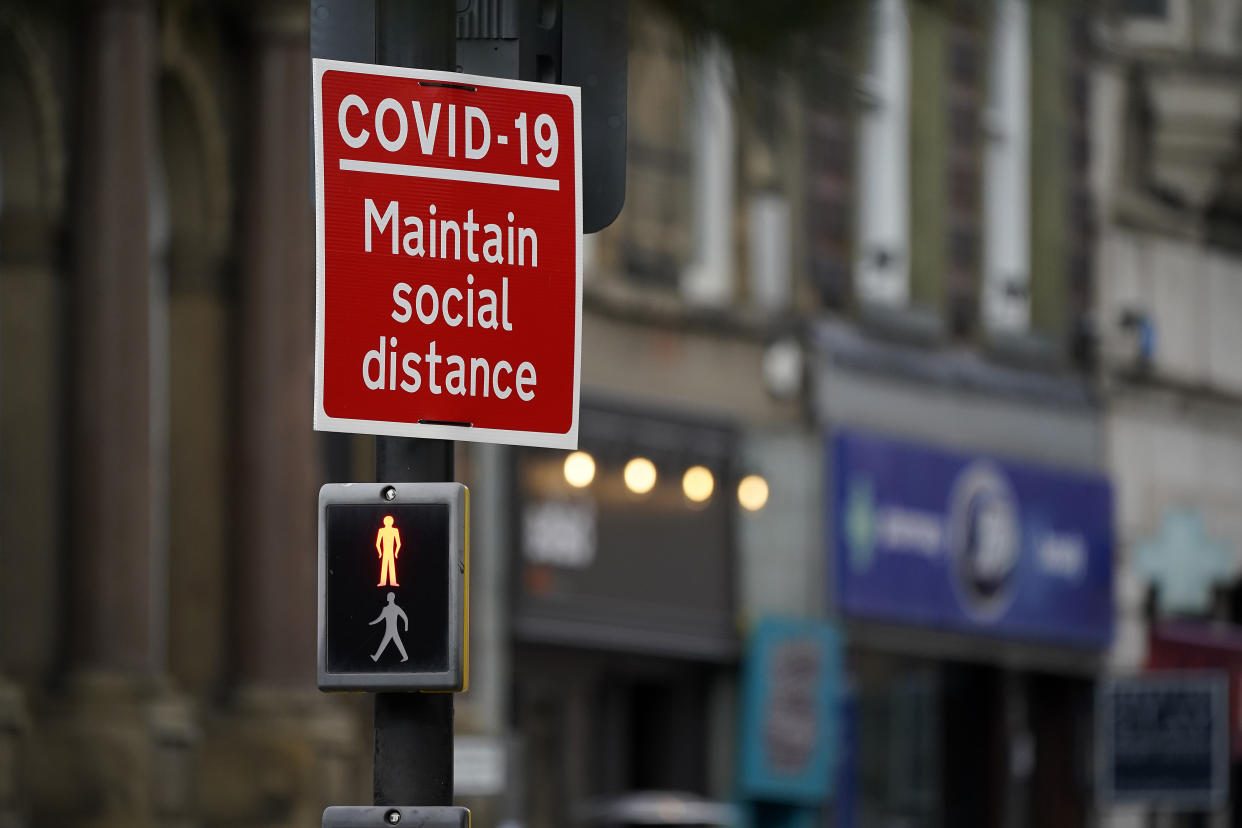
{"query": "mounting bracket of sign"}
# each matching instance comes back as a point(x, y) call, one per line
point(386, 816)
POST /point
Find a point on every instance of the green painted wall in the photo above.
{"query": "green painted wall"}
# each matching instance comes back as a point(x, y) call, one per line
point(929, 144)
point(1049, 141)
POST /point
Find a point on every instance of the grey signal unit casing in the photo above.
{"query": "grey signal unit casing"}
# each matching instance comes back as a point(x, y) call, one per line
point(455, 656)
point(408, 816)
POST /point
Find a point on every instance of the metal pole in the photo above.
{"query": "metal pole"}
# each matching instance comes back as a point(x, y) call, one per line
point(414, 731)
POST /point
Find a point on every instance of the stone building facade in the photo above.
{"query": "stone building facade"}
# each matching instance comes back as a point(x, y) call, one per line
point(158, 577)
point(1166, 130)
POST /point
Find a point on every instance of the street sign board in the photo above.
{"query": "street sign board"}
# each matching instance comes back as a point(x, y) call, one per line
point(790, 697)
point(394, 567)
point(386, 816)
point(449, 255)
point(1163, 740)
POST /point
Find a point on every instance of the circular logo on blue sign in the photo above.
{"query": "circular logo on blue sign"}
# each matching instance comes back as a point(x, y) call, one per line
point(984, 540)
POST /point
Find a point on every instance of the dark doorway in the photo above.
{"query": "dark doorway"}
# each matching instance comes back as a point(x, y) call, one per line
point(595, 725)
point(1060, 722)
point(974, 764)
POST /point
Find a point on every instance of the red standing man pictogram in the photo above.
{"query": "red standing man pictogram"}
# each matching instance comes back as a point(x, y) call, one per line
point(387, 547)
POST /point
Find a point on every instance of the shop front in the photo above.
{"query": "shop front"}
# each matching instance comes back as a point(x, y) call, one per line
point(1203, 649)
point(976, 596)
point(625, 642)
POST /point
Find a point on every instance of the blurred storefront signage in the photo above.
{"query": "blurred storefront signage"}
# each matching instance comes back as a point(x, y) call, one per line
point(609, 563)
point(559, 532)
point(1189, 645)
point(1184, 562)
point(478, 766)
point(970, 542)
point(1162, 741)
point(788, 735)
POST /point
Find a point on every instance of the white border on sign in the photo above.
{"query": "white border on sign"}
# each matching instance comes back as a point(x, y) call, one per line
point(323, 422)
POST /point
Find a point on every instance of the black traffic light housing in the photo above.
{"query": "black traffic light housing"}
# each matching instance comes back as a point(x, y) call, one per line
point(581, 43)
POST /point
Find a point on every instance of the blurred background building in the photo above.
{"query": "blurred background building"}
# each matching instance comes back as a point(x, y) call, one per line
point(1166, 142)
point(912, 410)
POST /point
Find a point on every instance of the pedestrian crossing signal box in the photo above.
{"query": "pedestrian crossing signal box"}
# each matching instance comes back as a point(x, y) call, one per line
point(394, 567)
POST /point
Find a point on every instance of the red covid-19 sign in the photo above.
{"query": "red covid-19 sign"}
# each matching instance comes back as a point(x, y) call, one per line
point(449, 260)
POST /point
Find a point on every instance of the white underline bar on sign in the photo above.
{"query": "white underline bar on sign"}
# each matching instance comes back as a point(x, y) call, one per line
point(451, 175)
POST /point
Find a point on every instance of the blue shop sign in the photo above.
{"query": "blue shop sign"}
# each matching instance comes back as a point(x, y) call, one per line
point(970, 542)
point(790, 696)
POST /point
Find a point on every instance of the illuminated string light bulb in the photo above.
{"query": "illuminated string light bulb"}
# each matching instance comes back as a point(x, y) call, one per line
point(640, 475)
point(752, 492)
point(579, 469)
point(698, 483)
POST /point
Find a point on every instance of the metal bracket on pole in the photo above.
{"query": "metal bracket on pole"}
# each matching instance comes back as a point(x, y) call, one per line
point(368, 816)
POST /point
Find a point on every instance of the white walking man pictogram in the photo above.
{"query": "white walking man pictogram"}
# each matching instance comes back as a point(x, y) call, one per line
point(389, 615)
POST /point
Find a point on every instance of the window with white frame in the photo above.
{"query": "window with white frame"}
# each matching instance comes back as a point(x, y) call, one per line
point(1006, 178)
point(1158, 24)
point(651, 239)
point(708, 279)
point(676, 232)
point(882, 260)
